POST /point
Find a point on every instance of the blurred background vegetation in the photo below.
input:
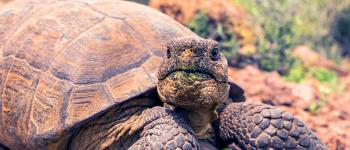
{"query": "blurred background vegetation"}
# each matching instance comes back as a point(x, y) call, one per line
point(284, 24)
point(277, 28)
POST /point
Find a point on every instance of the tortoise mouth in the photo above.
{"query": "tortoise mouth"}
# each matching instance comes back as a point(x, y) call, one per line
point(191, 88)
point(190, 75)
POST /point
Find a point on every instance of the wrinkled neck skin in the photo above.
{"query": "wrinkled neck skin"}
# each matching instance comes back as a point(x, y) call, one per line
point(198, 118)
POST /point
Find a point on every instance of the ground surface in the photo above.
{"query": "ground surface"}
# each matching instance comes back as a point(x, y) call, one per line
point(331, 122)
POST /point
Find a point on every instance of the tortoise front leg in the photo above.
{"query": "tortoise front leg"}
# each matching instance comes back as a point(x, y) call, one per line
point(259, 126)
point(164, 129)
point(153, 128)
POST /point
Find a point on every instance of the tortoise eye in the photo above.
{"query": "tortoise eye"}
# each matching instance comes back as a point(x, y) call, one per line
point(168, 54)
point(215, 54)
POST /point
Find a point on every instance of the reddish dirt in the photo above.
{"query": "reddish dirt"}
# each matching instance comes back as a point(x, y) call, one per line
point(3, 2)
point(331, 123)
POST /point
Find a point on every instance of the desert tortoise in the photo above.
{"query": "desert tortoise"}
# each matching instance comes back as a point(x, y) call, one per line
point(89, 75)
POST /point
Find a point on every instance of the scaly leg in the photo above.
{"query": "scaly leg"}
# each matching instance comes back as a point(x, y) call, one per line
point(259, 126)
point(164, 129)
point(145, 128)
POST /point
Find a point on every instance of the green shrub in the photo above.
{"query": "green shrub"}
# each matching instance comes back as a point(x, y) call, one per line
point(277, 33)
point(323, 75)
point(200, 24)
point(207, 27)
point(284, 24)
point(296, 73)
point(268, 58)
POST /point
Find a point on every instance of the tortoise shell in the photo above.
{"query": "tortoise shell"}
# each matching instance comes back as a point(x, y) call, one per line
point(63, 62)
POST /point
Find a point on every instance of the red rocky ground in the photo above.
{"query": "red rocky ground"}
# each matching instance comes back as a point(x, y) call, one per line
point(331, 122)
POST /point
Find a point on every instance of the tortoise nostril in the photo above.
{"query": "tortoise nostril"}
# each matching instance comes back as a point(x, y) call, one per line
point(168, 53)
point(187, 53)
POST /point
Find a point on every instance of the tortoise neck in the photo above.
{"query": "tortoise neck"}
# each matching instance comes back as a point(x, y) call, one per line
point(198, 118)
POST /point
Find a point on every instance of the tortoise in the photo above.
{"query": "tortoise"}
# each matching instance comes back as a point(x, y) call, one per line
point(120, 75)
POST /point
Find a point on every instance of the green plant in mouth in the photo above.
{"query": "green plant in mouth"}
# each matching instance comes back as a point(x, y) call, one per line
point(179, 75)
point(192, 77)
point(187, 68)
point(187, 78)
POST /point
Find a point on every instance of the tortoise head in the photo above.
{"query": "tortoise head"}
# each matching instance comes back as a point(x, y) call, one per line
point(194, 73)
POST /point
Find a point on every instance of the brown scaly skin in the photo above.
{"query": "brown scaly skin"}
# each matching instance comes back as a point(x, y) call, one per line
point(193, 82)
point(259, 126)
point(167, 130)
